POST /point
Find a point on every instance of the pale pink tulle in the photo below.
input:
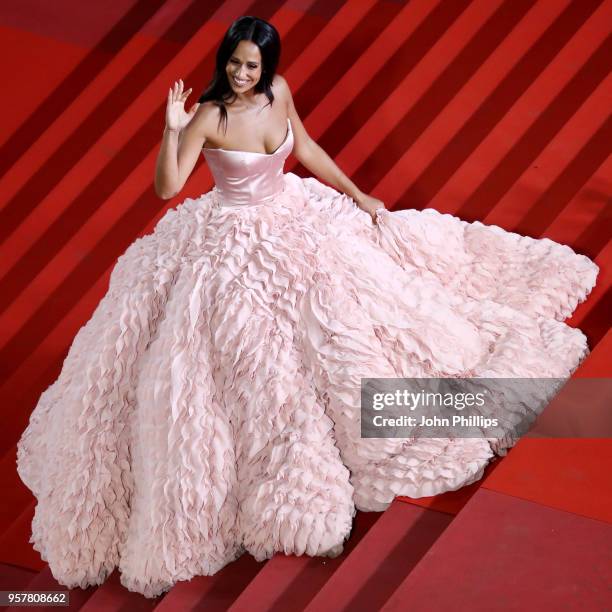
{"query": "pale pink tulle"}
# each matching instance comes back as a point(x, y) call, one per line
point(211, 403)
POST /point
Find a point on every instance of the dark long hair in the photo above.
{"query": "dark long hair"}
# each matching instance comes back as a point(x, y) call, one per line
point(266, 37)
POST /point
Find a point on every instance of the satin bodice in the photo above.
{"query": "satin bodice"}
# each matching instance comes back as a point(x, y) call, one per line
point(245, 177)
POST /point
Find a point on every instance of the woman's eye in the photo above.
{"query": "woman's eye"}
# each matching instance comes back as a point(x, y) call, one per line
point(250, 67)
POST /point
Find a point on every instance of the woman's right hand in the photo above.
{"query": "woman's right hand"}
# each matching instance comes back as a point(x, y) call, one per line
point(176, 117)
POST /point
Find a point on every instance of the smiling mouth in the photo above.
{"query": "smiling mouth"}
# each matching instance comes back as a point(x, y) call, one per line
point(238, 82)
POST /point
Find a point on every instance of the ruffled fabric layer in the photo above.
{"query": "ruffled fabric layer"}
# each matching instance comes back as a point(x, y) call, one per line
point(211, 405)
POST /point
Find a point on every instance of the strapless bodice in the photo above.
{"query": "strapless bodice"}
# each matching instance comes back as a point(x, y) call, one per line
point(246, 178)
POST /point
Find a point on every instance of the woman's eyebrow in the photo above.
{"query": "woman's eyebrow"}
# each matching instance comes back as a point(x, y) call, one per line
point(248, 61)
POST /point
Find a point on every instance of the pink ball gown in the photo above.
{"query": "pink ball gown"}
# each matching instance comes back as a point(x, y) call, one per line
point(211, 404)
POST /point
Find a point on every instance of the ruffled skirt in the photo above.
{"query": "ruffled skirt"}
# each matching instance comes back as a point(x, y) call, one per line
point(211, 405)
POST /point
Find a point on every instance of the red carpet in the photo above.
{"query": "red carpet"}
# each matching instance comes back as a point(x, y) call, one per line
point(504, 553)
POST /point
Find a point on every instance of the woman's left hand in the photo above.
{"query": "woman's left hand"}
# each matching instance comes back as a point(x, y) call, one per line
point(369, 204)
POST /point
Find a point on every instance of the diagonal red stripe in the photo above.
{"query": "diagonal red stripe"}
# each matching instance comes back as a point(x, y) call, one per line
point(531, 144)
point(108, 110)
point(53, 105)
point(323, 81)
point(568, 183)
point(431, 104)
point(597, 323)
point(389, 76)
point(512, 87)
point(597, 235)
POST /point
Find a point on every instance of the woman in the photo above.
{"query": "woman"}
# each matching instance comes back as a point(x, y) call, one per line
point(211, 405)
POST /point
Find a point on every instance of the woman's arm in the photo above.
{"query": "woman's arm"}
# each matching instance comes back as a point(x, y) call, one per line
point(166, 168)
point(315, 159)
point(183, 139)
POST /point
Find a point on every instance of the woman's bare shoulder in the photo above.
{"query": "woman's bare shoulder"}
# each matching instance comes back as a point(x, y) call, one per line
point(280, 87)
point(206, 119)
point(282, 92)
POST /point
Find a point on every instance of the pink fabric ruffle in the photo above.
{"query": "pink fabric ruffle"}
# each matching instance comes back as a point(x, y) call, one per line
point(211, 404)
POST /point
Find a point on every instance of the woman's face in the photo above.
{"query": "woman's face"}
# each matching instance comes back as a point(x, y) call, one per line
point(244, 66)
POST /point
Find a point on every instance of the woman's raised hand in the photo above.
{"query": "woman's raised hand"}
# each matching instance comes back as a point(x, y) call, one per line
point(176, 117)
